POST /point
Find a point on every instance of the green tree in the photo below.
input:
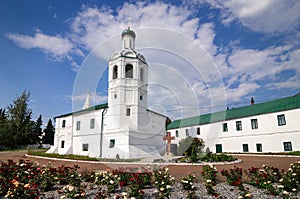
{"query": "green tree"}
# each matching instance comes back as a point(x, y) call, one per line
point(191, 147)
point(49, 133)
point(37, 131)
point(3, 122)
point(20, 126)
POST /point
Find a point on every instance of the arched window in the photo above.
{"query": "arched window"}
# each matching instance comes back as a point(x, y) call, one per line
point(115, 72)
point(128, 71)
point(128, 112)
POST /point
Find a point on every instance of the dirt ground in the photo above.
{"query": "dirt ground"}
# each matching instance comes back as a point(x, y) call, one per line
point(178, 170)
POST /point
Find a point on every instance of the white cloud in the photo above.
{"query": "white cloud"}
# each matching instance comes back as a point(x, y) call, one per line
point(268, 16)
point(173, 37)
point(53, 45)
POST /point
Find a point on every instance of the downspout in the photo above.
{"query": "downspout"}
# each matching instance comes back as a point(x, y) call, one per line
point(101, 131)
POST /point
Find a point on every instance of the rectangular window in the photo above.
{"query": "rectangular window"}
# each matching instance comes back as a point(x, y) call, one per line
point(141, 97)
point(259, 147)
point(78, 125)
point(245, 148)
point(176, 132)
point(238, 125)
point(92, 123)
point(287, 146)
point(85, 147)
point(198, 131)
point(254, 124)
point(186, 132)
point(128, 112)
point(281, 120)
point(225, 127)
point(62, 144)
point(218, 148)
point(112, 143)
point(63, 124)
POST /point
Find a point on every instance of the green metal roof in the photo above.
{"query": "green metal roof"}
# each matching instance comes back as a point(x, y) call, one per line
point(97, 107)
point(245, 111)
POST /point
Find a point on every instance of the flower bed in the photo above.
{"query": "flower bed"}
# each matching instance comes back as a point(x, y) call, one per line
point(25, 179)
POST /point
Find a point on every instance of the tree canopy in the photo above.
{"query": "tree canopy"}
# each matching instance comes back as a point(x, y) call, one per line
point(16, 126)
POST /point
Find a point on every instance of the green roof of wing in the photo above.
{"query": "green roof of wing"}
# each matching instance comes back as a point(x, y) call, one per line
point(97, 107)
point(245, 111)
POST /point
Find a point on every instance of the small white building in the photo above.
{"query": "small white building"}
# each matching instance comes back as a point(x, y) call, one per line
point(122, 128)
point(272, 126)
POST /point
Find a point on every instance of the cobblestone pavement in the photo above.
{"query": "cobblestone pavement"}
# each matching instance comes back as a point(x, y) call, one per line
point(281, 162)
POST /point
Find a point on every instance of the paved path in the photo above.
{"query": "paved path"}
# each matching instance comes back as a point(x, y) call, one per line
point(280, 162)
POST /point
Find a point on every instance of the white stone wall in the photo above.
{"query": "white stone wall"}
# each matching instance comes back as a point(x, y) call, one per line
point(269, 134)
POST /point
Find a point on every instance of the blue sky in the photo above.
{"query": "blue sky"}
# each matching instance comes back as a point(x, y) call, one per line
point(203, 55)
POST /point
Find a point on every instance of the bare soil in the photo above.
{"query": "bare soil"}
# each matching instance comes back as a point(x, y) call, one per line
point(178, 170)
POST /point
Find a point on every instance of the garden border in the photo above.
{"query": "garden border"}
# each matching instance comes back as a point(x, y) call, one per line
point(137, 163)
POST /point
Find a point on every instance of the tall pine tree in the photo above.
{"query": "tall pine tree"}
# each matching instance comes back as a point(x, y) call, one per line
point(49, 133)
point(37, 131)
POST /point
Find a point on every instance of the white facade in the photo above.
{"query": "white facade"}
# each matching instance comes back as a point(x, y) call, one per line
point(277, 131)
point(123, 128)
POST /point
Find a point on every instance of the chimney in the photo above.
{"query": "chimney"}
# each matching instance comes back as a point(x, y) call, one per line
point(252, 101)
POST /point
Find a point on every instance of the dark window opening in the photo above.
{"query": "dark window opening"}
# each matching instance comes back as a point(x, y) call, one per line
point(112, 143)
point(128, 71)
point(245, 148)
point(85, 147)
point(287, 146)
point(62, 144)
point(63, 124)
point(281, 120)
point(115, 72)
point(239, 125)
point(259, 147)
point(225, 127)
point(254, 124)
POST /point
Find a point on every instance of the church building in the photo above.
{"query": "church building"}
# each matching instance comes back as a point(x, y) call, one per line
point(122, 128)
point(125, 128)
point(272, 126)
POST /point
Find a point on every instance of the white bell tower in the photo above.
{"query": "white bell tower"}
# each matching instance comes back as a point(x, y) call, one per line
point(128, 89)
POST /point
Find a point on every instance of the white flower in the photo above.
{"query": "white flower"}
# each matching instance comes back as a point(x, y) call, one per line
point(281, 180)
point(111, 182)
point(275, 173)
point(132, 198)
point(290, 169)
point(280, 186)
point(208, 181)
point(168, 186)
point(162, 189)
point(191, 183)
point(166, 169)
point(184, 181)
point(63, 197)
point(263, 165)
point(294, 189)
point(269, 182)
point(285, 192)
point(162, 182)
point(124, 194)
point(294, 174)
point(71, 188)
point(248, 195)
point(240, 197)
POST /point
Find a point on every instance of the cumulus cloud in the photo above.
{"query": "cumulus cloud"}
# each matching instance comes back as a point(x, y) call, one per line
point(187, 70)
point(270, 16)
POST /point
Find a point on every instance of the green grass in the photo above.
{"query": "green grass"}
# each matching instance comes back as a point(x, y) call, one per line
point(42, 152)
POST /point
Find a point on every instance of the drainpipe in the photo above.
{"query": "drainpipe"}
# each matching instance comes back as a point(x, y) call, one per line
point(101, 131)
